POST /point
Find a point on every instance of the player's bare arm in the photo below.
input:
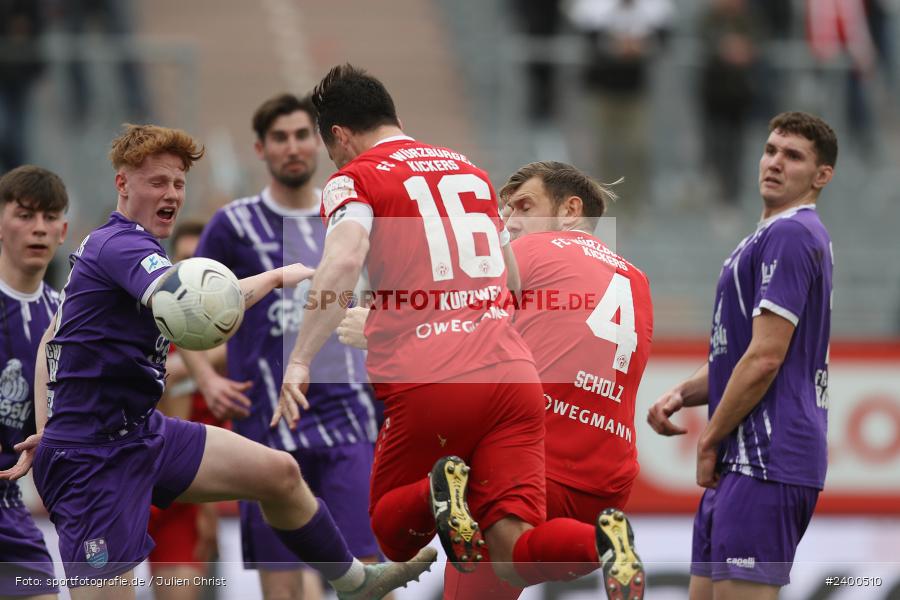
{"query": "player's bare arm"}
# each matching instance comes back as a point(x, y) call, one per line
point(351, 331)
point(255, 287)
point(749, 381)
point(693, 391)
point(29, 445)
point(346, 248)
point(225, 397)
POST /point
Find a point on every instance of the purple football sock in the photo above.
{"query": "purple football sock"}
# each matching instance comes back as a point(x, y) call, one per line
point(319, 544)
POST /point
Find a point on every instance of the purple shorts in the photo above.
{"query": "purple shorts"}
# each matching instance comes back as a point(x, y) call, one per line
point(749, 529)
point(26, 568)
point(99, 495)
point(340, 477)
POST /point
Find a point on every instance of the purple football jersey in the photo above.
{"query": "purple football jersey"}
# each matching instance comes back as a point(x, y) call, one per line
point(107, 358)
point(785, 267)
point(252, 235)
point(25, 318)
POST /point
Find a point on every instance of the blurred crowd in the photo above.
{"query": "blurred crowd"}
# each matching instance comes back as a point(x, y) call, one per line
point(742, 49)
point(25, 57)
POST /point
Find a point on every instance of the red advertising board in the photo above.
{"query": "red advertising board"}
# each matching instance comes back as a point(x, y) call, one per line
point(863, 431)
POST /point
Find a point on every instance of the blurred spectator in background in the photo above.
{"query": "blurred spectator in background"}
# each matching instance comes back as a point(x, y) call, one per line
point(540, 19)
point(838, 26)
point(112, 19)
point(777, 16)
point(625, 36)
point(880, 17)
point(21, 65)
point(729, 36)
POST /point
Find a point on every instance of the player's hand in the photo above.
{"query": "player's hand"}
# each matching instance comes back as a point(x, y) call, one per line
point(27, 449)
point(207, 545)
point(658, 415)
point(350, 331)
point(225, 397)
point(293, 395)
point(707, 455)
point(291, 275)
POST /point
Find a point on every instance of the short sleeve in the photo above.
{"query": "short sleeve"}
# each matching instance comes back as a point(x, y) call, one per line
point(134, 262)
point(218, 239)
point(787, 263)
point(342, 188)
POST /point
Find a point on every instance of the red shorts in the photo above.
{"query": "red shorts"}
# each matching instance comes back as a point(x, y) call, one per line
point(496, 427)
point(565, 501)
point(174, 530)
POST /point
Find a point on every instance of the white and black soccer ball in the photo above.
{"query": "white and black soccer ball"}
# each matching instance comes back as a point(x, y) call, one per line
point(199, 304)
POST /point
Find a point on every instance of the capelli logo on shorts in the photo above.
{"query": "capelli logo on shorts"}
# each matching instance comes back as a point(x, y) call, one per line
point(744, 563)
point(95, 553)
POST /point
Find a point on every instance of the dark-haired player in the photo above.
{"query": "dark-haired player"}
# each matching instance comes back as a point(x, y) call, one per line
point(103, 454)
point(33, 202)
point(462, 398)
point(334, 444)
point(590, 358)
point(763, 454)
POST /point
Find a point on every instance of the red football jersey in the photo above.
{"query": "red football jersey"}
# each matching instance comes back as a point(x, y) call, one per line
point(435, 263)
point(587, 316)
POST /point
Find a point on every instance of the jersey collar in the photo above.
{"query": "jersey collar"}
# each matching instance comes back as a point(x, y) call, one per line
point(283, 211)
point(393, 138)
point(784, 215)
point(21, 296)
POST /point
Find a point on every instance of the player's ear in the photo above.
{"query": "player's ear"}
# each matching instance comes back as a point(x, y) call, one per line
point(258, 147)
point(341, 134)
point(573, 206)
point(65, 230)
point(824, 173)
point(121, 183)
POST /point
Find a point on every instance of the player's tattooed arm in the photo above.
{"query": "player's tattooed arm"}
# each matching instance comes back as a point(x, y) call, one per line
point(256, 287)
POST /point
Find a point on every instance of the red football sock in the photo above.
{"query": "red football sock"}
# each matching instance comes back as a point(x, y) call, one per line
point(482, 584)
point(558, 550)
point(402, 521)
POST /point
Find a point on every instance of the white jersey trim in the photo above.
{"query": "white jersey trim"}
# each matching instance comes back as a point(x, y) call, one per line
point(778, 310)
point(358, 212)
point(784, 215)
point(145, 297)
point(393, 138)
point(21, 296)
point(283, 211)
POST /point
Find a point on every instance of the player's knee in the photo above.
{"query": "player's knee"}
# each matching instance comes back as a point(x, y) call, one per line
point(284, 478)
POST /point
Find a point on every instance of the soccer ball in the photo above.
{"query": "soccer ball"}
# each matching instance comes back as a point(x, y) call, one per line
point(199, 304)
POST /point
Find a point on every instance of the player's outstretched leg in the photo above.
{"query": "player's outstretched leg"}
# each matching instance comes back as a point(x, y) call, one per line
point(623, 571)
point(457, 530)
point(235, 468)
